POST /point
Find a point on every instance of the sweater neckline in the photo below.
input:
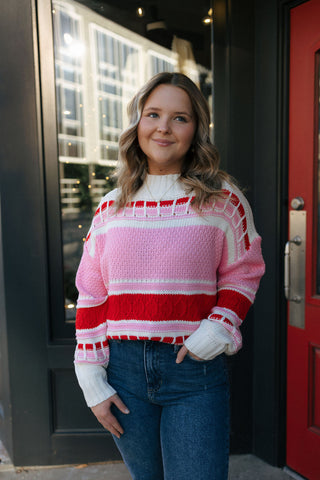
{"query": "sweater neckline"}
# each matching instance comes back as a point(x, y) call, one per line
point(164, 187)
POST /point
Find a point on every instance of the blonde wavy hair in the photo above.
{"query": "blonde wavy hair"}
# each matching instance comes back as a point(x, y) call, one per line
point(200, 171)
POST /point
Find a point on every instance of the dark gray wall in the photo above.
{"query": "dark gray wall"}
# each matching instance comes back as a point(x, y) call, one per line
point(251, 75)
point(5, 408)
point(269, 341)
point(24, 295)
point(234, 127)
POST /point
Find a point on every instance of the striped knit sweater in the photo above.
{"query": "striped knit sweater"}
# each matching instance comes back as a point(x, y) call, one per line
point(162, 271)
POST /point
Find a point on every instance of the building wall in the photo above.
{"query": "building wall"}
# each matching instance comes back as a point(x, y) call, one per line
point(24, 294)
point(251, 56)
point(270, 180)
point(234, 137)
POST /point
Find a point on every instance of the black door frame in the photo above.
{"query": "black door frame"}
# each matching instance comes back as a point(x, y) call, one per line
point(272, 22)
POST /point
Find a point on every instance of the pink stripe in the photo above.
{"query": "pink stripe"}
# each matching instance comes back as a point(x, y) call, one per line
point(91, 333)
point(170, 253)
point(90, 357)
point(130, 328)
point(227, 313)
point(238, 288)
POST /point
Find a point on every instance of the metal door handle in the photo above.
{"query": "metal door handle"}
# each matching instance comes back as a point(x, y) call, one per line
point(297, 240)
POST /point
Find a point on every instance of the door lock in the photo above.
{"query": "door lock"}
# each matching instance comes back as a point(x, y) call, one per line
point(297, 203)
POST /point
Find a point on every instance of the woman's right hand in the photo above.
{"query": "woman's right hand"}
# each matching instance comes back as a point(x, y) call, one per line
point(103, 413)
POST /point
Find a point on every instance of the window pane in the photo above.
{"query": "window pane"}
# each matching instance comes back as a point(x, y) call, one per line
point(99, 65)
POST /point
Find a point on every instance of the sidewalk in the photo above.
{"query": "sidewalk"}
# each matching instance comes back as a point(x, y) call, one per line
point(242, 467)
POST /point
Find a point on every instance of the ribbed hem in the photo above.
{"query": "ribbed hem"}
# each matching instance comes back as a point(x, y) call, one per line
point(210, 340)
point(93, 382)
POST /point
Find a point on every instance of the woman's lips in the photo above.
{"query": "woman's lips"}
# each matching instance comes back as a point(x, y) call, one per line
point(162, 143)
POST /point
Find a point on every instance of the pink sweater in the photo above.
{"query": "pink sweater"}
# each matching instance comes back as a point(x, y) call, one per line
point(163, 272)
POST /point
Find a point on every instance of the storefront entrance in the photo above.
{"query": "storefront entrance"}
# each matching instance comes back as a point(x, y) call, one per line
point(302, 256)
point(94, 56)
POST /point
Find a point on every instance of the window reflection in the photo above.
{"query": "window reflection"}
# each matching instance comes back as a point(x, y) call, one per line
point(99, 65)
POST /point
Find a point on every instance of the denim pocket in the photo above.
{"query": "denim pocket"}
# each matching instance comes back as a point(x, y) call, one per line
point(195, 360)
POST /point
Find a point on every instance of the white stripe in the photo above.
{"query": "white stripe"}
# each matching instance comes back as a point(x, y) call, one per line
point(160, 292)
point(161, 281)
point(246, 292)
point(149, 323)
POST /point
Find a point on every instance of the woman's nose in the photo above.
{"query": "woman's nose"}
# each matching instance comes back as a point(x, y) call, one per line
point(163, 127)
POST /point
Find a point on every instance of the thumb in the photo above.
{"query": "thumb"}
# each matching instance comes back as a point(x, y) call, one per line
point(119, 403)
point(181, 354)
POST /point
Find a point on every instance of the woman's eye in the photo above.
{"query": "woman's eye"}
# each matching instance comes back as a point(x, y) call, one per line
point(153, 115)
point(181, 119)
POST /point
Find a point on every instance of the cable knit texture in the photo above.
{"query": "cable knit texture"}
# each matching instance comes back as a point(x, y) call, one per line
point(160, 270)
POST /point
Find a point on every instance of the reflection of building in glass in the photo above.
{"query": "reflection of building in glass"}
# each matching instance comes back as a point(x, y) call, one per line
point(99, 65)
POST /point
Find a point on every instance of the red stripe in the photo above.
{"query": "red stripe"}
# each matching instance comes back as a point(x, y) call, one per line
point(236, 202)
point(91, 317)
point(241, 210)
point(153, 307)
point(104, 206)
point(171, 340)
point(234, 301)
point(221, 319)
point(90, 346)
point(142, 203)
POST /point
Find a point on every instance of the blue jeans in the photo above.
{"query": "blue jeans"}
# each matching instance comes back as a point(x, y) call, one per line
point(178, 425)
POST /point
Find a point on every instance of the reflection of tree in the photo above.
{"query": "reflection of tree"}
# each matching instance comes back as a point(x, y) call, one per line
point(81, 173)
point(75, 225)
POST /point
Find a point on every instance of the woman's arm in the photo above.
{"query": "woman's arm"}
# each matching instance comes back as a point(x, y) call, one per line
point(238, 276)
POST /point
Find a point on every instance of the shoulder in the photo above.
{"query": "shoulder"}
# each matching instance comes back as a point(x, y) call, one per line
point(110, 196)
point(107, 201)
point(238, 210)
point(235, 196)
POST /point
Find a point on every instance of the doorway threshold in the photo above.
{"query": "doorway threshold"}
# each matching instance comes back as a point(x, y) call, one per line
point(293, 474)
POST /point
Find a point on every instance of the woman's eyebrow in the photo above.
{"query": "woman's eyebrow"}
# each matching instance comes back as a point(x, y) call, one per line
point(157, 109)
point(152, 108)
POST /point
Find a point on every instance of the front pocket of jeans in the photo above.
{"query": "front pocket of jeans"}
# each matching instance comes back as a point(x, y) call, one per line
point(194, 359)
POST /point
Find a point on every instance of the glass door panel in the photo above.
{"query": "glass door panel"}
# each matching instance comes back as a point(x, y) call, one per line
point(99, 65)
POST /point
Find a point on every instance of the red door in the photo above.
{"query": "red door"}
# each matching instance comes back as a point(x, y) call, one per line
point(303, 251)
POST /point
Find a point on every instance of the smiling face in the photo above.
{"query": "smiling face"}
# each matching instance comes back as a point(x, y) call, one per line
point(166, 129)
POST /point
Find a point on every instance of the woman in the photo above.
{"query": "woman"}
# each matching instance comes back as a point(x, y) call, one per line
point(170, 268)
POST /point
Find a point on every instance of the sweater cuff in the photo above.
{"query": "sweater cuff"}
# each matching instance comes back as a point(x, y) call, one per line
point(210, 340)
point(93, 382)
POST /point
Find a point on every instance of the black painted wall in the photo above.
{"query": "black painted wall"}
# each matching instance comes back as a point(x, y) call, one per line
point(23, 241)
point(234, 137)
point(268, 341)
point(251, 75)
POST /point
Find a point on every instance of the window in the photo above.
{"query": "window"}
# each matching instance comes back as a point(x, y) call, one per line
point(99, 65)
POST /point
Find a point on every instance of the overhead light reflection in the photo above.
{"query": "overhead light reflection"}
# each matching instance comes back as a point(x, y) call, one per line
point(140, 12)
point(207, 20)
point(67, 38)
point(74, 48)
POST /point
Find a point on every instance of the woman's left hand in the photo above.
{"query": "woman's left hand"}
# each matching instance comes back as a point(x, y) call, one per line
point(183, 352)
